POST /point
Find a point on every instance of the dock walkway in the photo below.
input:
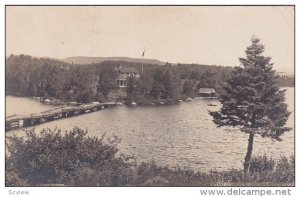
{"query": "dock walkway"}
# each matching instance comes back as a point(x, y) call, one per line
point(19, 121)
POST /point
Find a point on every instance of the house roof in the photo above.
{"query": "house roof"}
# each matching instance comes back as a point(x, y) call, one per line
point(206, 90)
point(128, 70)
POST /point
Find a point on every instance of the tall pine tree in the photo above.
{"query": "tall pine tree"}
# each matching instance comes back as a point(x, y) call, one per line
point(252, 99)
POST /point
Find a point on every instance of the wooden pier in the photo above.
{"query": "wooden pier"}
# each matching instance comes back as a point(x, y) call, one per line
point(16, 122)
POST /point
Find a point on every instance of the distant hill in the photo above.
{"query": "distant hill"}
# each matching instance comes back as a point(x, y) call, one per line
point(91, 60)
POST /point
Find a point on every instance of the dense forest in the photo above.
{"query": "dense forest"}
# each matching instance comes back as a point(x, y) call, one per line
point(48, 78)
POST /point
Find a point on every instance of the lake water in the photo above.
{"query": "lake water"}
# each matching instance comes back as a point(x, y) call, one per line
point(177, 135)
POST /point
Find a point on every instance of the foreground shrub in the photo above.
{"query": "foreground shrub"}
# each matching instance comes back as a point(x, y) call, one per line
point(13, 179)
point(261, 164)
point(285, 169)
point(267, 169)
point(72, 158)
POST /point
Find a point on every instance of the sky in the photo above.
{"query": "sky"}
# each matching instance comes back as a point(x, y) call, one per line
point(215, 35)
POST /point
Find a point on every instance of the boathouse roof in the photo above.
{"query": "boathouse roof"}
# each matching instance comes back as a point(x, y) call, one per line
point(206, 91)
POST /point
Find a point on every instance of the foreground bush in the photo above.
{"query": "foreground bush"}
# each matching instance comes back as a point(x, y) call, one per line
point(75, 159)
point(72, 158)
point(267, 169)
point(261, 164)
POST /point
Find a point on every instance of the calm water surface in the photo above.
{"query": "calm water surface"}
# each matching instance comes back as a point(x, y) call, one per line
point(178, 135)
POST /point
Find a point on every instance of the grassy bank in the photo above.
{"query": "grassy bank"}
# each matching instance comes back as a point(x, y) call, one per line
point(55, 158)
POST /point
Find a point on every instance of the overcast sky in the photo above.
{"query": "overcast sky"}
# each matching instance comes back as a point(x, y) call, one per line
point(197, 34)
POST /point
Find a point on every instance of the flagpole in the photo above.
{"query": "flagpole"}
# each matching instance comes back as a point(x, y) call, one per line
point(143, 61)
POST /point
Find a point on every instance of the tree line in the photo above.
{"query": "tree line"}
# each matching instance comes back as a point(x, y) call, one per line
point(48, 78)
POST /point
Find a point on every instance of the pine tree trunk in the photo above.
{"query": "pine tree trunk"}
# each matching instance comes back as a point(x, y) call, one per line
point(249, 152)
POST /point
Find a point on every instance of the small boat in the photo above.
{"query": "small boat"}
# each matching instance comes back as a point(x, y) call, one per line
point(189, 99)
point(212, 97)
point(212, 104)
point(162, 103)
point(119, 103)
point(36, 98)
point(133, 104)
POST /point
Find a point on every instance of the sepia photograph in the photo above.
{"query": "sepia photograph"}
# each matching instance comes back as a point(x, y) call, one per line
point(150, 96)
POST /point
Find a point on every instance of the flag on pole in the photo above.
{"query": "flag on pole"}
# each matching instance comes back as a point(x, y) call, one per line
point(143, 58)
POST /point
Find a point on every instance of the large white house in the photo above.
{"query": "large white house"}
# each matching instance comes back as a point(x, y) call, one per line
point(124, 73)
